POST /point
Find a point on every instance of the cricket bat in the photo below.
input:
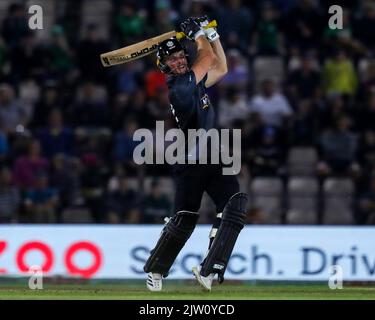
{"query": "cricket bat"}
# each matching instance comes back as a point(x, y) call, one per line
point(141, 49)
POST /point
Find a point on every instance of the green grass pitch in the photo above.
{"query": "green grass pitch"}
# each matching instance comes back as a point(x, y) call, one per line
point(186, 290)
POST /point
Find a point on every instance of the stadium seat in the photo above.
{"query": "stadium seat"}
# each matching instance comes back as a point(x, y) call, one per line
point(338, 187)
point(166, 185)
point(302, 201)
point(76, 215)
point(266, 186)
point(207, 209)
point(270, 206)
point(302, 161)
point(133, 184)
point(364, 66)
point(337, 210)
point(266, 194)
point(268, 68)
point(338, 197)
point(90, 10)
point(303, 186)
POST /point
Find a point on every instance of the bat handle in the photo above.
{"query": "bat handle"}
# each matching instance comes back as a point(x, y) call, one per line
point(212, 24)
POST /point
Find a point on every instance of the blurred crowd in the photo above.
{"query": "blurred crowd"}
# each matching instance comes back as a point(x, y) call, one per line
point(66, 122)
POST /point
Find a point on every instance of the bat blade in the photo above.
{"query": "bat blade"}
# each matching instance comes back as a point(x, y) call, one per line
point(134, 51)
point(140, 49)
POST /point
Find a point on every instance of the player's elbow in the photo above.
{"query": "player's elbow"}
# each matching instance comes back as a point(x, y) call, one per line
point(224, 70)
point(220, 66)
point(211, 59)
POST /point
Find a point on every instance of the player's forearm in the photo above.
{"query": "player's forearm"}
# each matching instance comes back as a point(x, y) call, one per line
point(204, 49)
point(221, 60)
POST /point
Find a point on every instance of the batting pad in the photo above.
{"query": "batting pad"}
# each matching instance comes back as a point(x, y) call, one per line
point(234, 217)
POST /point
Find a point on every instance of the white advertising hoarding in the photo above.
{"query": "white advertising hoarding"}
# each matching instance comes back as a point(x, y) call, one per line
point(267, 253)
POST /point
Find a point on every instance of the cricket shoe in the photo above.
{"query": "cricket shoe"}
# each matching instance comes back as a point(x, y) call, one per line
point(205, 282)
point(154, 281)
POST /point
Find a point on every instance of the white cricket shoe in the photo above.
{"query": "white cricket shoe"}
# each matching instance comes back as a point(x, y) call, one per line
point(205, 282)
point(154, 281)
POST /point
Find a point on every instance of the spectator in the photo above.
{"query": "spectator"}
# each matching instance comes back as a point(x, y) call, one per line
point(4, 147)
point(49, 100)
point(164, 18)
point(127, 77)
point(364, 24)
point(368, 85)
point(91, 110)
point(154, 81)
point(367, 149)
point(304, 25)
point(41, 201)
point(56, 138)
point(122, 204)
point(124, 142)
point(156, 205)
point(159, 106)
point(88, 51)
point(272, 106)
point(236, 23)
point(238, 71)
point(195, 8)
point(304, 82)
point(28, 59)
point(334, 107)
point(267, 40)
point(29, 91)
point(93, 175)
point(3, 57)
point(134, 108)
point(29, 166)
point(268, 152)
point(366, 116)
point(339, 76)
point(14, 113)
point(59, 52)
point(232, 107)
point(334, 38)
point(130, 23)
point(15, 24)
point(338, 150)
point(65, 178)
point(305, 123)
point(365, 205)
point(9, 198)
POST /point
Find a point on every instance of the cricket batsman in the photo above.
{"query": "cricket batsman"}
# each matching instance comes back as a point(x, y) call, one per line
point(192, 109)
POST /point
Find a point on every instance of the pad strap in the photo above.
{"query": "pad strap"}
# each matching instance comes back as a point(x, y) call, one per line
point(172, 239)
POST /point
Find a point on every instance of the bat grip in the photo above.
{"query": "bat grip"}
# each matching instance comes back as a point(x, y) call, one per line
point(212, 24)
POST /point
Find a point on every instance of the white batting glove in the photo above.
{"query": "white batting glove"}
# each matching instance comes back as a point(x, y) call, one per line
point(210, 33)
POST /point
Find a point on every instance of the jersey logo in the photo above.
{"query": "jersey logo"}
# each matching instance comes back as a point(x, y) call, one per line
point(205, 101)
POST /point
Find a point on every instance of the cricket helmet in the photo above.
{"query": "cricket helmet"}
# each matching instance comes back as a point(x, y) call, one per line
point(165, 49)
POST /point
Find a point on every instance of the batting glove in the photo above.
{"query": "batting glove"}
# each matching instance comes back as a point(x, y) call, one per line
point(192, 29)
point(210, 33)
